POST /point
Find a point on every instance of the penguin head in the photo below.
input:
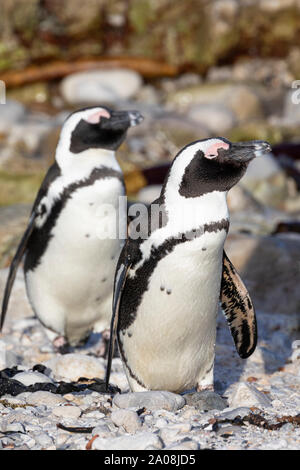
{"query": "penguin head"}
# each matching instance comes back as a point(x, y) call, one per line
point(97, 127)
point(214, 164)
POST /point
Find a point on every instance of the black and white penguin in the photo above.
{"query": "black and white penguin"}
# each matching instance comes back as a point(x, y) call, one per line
point(69, 259)
point(169, 283)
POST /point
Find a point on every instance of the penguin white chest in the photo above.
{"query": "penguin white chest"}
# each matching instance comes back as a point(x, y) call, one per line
point(175, 325)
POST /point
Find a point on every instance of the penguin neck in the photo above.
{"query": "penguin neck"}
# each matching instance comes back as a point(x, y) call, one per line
point(79, 166)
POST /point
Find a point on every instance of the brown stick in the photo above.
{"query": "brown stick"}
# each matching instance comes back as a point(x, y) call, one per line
point(58, 69)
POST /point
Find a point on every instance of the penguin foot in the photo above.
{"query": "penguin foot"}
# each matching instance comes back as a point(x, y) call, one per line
point(61, 345)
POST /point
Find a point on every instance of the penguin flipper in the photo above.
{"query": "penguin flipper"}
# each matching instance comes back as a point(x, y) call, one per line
point(120, 280)
point(51, 175)
point(238, 310)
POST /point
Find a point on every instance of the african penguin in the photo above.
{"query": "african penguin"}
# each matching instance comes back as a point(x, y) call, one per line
point(69, 261)
point(171, 278)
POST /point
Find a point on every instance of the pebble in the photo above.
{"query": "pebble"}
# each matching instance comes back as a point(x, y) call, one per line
point(247, 395)
point(233, 413)
point(150, 400)
point(45, 398)
point(170, 434)
point(128, 419)
point(31, 378)
point(70, 367)
point(102, 431)
point(43, 439)
point(68, 412)
point(141, 441)
point(205, 400)
point(100, 86)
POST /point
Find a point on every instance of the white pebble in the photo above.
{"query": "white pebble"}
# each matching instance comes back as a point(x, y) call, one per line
point(128, 419)
point(71, 367)
point(72, 412)
point(45, 398)
point(31, 378)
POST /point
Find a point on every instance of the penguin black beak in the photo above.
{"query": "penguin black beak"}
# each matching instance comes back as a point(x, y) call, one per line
point(244, 152)
point(122, 120)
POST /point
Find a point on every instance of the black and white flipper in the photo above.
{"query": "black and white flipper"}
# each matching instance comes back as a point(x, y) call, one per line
point(238, 310)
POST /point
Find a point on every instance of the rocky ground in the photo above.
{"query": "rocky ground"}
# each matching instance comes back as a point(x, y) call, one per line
point(46, 405)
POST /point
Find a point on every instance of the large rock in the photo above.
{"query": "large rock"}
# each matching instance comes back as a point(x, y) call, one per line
point(240, 102)
point(215, 117)
point(70, 367)
point(270, 268)
point(100, 86)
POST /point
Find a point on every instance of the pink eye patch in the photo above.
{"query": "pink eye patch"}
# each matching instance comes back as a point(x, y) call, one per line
point(95, 117)
point(212, 151)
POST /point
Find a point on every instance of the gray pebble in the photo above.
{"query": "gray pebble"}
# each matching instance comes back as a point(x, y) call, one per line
point(233, 413)
point(246, 394)
point(205, 400)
